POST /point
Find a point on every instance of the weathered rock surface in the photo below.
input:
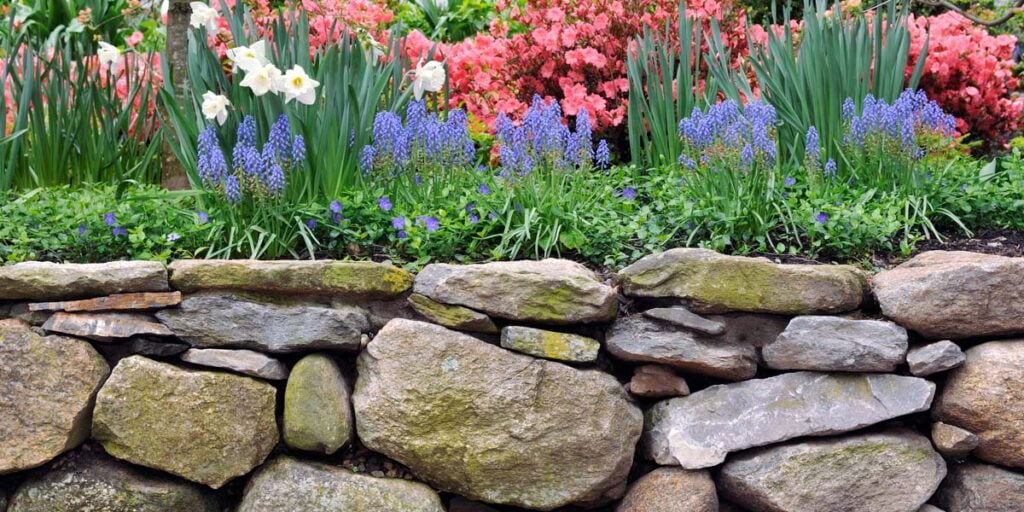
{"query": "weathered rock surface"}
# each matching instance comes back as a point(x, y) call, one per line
point(220, 320)
point(548, 291)
point(558, 346)
point(953, 441)
point(641, 339)
point(105, 326)
point(118, 302)
point(288, 484)
point(683, 317)
point(47, 385)
point(671, 490)
point(934, 358)
point(452, 317)
point(350, 279)
point(246, 362)
point(51, 281)
point(697, 431)
point(829, 343)
point(88, 480)
point(716, 282)
point(893, 471)
point(208, 427)
point(973, 487)
point(954, 294)
point(751, 328)
point(657, 381)
point(985, 396)
point(492, 425)
point(317, 407)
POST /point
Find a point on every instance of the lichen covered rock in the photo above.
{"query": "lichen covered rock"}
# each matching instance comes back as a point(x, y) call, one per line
point(558, 346)
point(492, 425)
point(36, 280)
point(350, 279)
point(452, 317)
point(317, 410)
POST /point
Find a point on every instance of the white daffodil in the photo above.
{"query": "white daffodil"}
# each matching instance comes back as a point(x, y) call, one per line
point(296, 84)
point(427, 77)
point(108, 53)
point(215, 106)
point(204, 16)
point(248, 58)
point(262, 79)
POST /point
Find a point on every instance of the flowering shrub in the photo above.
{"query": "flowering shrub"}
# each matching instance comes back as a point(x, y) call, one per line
point(424, 145)
point(969, 72)
point(543, 141)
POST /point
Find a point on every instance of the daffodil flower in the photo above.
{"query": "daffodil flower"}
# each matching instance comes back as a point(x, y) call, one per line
point(215, 106)
point(108, 53)
point(427, 77)
point(297, 85)
point(262, 79)
point(250, 57)
point(204, 16)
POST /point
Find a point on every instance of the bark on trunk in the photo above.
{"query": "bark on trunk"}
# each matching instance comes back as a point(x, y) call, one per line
point(172, 174)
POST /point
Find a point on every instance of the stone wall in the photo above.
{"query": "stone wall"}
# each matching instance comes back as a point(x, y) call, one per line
point(688, 381)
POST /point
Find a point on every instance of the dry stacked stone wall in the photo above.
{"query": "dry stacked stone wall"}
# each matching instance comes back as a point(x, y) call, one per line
point(687, 382)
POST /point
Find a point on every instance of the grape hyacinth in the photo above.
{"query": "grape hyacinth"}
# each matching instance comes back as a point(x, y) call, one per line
point(543, 141)
point(260, 172)
point(422, 145)
point(729, 136)
point(898, 130)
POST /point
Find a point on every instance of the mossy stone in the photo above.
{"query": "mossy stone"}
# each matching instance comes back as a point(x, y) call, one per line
point(346, 279)
point(452, 317)
point(317, 410)
point(558, 346)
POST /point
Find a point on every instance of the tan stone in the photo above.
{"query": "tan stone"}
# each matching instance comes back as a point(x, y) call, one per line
point(671, 490)
point(105, 326)
point(118, 302)
point(657, 381)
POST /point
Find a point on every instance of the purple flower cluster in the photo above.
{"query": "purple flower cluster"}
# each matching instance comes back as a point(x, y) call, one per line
point(543, 141)
point(740, 137)
point(897, 129)
point(422, 144)
point(261, 171)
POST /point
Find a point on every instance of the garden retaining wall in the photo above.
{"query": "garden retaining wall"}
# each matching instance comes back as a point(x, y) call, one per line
point(688, 381)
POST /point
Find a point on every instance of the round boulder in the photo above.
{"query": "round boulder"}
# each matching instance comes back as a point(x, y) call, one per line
point(671, 490)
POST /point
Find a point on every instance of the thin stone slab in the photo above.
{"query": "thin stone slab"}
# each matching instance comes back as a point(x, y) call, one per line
point(105, 326)
point(953, 441)
point(558, 346)
point(118, 302)
point(344, 279)
point(452, 317)
point(640, 339)
point(974, 487)
point(699, 430)
point(142, 346)
point(683, 317)
point(246, 362)
point(829, 343)
point(935, 358)
point(38, 281)
point(219, 320)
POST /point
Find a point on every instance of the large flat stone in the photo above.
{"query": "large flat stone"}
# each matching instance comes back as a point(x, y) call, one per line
point(317, 407)
point(492, 425)
point(208, 427)
point(348, 279)
point(985, 396)
point(974, 487)
point(954, 294)
point(47, 385)
point(714, 283)
point(548, 291)
point(92, 481)
point(699, 430)
point(638, 338)
point(219, 320)
point(829, 343)
point(892, 471)
point(118, 302)
point(105, 326)
point(53, 281)
point(292, 485)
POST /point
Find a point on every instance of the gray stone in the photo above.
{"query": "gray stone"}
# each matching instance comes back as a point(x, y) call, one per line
point(492, 425)
point(230, 321)
point(452, 317)
point(558, 346)
point(934, 358)
point(208, 427)
point(246, 362)
point(953, 441)
point(317, 408)
point(714, 282)
point(750, 328)
point(143, 346)
point(105, 327)
point(954, 294)
point(697, 431)
point(89, 480)
point(683, 317)
point(50, 281)
point(671, 490)
point(892, 471)
point(829, 343)
point(20, 311)
point(640, 339)
point(985, 396)
point(549, 291)
point(657, 381)
point(47, 385)
point(973, 487)
point(288, 484)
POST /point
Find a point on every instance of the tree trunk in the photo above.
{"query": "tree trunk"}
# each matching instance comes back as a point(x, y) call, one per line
point(172, 174)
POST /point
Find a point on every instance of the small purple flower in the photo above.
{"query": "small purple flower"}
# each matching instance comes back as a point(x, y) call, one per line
point(492, 216)
point(81, 228)
point(384, 204)
point(336, 217)
point(484, 189)
point(202, 217)
point(335, 206)
point(110, 219)
point(398, 222)
point(628, 193)
point(173, 237)
point(119, 231)
point(418, 180)
point(789, 181)
point(473, 218)
point(821, 217)
point(402, 234)
point(311, 223)
point(431, 223)
point(830, 168)
point(470, 207)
